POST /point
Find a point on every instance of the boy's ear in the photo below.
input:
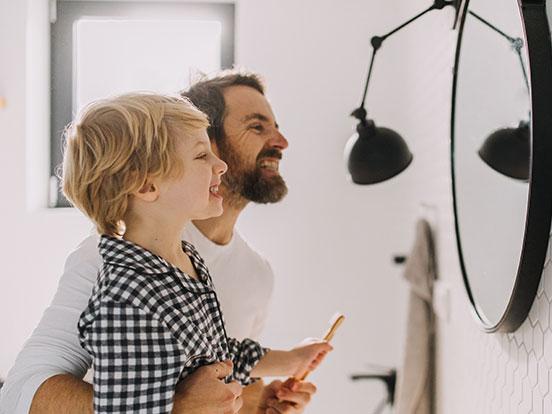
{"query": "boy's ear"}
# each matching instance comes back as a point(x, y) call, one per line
point(148, 192)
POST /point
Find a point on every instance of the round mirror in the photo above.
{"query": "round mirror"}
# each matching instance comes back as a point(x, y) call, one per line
point(500, 157)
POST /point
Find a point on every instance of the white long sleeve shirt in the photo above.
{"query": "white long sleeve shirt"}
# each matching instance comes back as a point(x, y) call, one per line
point(243, 280)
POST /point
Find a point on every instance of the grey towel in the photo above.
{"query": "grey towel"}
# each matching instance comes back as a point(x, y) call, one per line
point(416, 377)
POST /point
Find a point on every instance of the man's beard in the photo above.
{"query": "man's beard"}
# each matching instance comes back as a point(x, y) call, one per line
point(251, 184)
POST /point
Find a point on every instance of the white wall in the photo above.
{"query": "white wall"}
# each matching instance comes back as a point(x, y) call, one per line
point(36, 240)
point(330, 242)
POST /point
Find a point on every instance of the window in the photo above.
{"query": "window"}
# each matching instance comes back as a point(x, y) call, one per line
point(101, 48)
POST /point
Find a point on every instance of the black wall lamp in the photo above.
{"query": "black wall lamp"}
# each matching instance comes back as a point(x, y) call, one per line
point(375, 154)
point(507, 150)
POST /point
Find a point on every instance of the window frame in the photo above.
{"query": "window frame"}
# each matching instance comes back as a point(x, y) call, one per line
point(62, 50)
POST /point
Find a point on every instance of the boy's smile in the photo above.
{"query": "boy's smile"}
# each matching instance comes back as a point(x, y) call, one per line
point(214, 191)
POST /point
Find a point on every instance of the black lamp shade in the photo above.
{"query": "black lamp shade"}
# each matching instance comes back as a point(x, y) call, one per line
point(375, 154)
point(507, 151)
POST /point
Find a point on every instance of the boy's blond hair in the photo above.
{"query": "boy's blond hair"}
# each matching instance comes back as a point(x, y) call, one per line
point(115, 144)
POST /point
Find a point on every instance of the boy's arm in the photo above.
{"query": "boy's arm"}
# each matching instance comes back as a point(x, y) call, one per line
point(291, 363)
point(253, 361)
point(138, 364)
point(136, 359)
point(245, 355)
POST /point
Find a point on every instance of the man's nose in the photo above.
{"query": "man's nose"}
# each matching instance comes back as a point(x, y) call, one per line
point(278, 141)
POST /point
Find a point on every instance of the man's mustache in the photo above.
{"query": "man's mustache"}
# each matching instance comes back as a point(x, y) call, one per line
point(270, 153)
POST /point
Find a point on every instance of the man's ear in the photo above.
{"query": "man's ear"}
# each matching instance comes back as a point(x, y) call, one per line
point(149, 192)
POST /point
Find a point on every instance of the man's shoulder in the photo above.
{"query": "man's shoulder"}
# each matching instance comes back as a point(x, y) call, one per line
point(252, 255)
point(82, 265)
point(85, 252)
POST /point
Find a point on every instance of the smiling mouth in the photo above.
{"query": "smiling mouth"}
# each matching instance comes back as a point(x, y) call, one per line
point(214, 189)
point(270, 165)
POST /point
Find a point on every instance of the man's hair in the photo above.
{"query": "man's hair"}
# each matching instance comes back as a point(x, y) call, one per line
point(207, 95)
point(116, 144)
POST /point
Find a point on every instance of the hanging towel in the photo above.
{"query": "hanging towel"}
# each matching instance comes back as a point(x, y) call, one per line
point(416, 378)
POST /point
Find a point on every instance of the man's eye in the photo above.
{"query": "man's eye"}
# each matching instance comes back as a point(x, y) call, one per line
point(257, 127)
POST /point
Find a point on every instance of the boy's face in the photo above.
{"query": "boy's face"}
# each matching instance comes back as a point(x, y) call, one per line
point(252, 147)
point(193, 194)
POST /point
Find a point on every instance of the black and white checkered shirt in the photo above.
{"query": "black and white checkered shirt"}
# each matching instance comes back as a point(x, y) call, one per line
point(148, 325)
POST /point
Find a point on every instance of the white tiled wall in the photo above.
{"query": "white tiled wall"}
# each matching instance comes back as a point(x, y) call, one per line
point(512, 371)
point(497, 373)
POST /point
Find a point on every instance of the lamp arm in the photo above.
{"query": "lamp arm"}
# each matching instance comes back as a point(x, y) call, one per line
point(487, 23)
point(515, 42)
point(377, 41)
point(524, 70)
point(437, 5)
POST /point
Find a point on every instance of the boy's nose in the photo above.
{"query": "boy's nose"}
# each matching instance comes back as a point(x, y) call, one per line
point(221, 167)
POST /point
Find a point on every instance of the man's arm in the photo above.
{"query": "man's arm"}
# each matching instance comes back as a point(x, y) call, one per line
point(251, 397)
point(204, 391)
point(199, 393)
point(53, 348)
point(63, 394)
point(290, 397)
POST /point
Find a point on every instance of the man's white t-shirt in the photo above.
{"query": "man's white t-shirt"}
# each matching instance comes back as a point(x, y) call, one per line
point(243, 281)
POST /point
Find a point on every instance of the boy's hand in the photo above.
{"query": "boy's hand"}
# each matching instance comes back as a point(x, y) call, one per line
point(307, 357)
point(290, 397)
point(204, 391)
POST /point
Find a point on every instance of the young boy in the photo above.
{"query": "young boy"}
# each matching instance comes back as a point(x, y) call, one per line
point(141, 167)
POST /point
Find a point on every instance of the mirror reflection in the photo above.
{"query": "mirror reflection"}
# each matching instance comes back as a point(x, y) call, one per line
point(491, 152)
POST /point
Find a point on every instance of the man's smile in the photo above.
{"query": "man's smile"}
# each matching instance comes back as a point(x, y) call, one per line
point(270, 164)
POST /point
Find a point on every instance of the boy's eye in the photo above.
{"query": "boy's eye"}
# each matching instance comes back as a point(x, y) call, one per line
point(202, 156)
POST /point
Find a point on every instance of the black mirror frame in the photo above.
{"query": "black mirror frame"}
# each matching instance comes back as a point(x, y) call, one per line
point(539, 209)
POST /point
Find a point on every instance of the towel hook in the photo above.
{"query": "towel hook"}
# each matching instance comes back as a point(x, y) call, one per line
point(389, 378)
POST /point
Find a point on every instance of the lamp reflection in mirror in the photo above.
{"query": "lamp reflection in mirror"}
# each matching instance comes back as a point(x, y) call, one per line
point(507, 151)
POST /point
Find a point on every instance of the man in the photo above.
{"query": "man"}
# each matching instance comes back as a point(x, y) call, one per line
point(47, 375)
